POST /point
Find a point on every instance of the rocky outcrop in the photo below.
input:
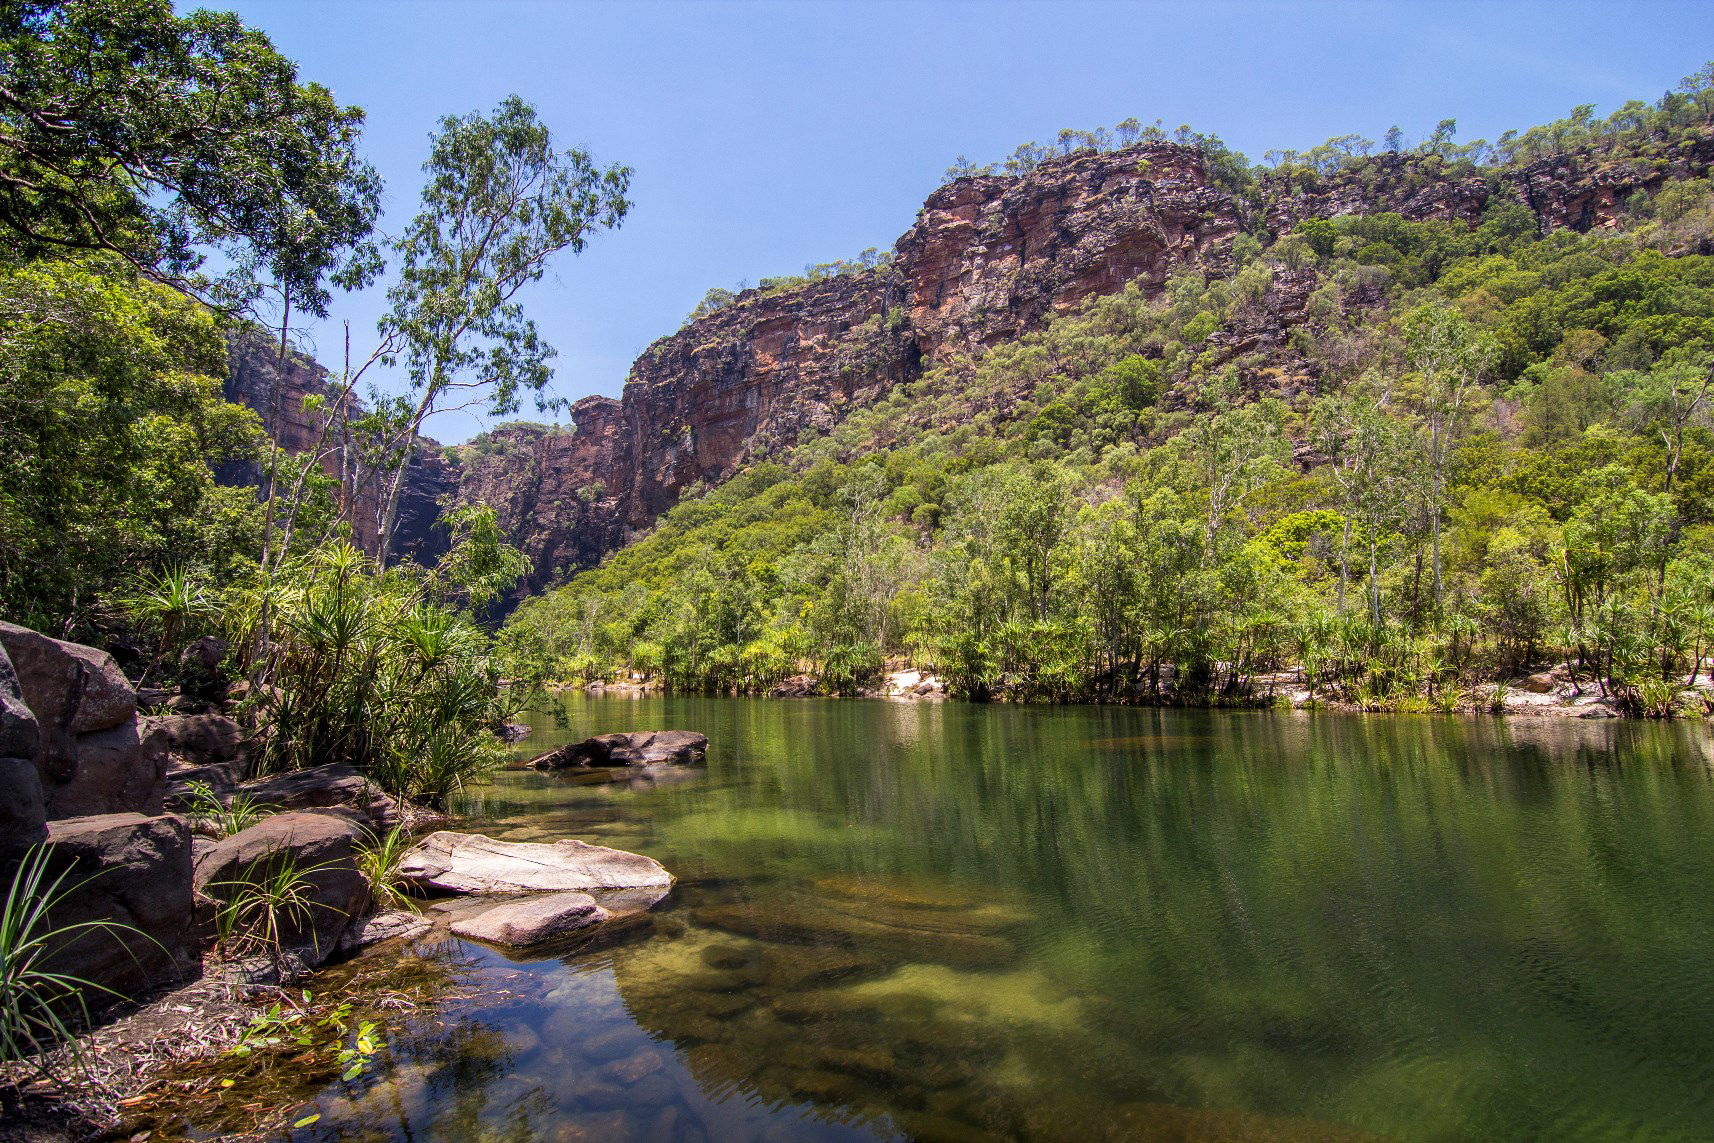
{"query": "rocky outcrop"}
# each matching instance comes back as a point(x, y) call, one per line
point(989, 258)
point(470, 863)
point(23, 810)
point(88, 756)
point(131, 874)
point(322, 847)
point(255, 380)
point(628, 748)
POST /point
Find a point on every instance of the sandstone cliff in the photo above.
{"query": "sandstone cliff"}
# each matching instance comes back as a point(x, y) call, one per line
point(252, 363)
point(989, 258)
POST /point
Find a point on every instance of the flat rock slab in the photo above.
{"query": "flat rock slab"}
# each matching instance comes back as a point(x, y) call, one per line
point(628, 748)
point(532, 920)
point(470, 863)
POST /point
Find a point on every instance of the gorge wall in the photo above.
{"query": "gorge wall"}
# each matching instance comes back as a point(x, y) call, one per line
point(988, 259)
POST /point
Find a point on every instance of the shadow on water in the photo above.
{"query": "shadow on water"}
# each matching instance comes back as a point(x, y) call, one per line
point(941, 921)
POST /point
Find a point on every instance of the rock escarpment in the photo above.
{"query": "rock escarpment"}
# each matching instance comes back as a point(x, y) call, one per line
point(255, 380)
point(990, 258)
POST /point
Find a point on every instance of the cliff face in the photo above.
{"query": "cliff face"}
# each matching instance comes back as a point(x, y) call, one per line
point(988, 259)
point(252, 363)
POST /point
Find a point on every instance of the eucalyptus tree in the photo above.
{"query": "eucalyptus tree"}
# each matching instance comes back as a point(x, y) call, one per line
point(500, 202)
point(1451, 359)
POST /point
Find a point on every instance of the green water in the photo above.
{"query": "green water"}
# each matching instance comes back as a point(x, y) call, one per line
point(955, 922)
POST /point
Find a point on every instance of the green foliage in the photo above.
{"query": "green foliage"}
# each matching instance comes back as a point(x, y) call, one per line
point(223, 816)
point(366, 668)
point(110, 417)
point(499, 204)
point(1480, 452)
point(290, 1023)
point(161, 138)
point(378, 860)
point(41, 1008)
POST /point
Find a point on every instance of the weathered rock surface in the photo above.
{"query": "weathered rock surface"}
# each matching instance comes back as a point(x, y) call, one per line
point(333, 786)
point(135, 871)
point(322, 847)
point(191, 739)
point(23, 813)
point(72, 688)
point(394, 924)
point(470, 863)
point(989, 258)
point(533, 919)
point(628, 748)
point(19, 734)
point(23, 810)
point(88, 756)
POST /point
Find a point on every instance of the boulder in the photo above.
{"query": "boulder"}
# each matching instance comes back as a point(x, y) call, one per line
point(200, 674)
point(88, 756)
point(72, 689)
point(334, 786)
point(322, 847)
point(1540, 683)
point(135, 871)
point(532, 920)
point(628, 748)
point(106, 772)
point(19, 734)
point(23, 813)
point(470, 863)
point(191, 739)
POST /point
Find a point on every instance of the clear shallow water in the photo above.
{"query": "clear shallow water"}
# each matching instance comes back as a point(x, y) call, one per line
point(955, 922)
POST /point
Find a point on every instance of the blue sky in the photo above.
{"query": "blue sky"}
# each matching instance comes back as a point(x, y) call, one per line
point(766, 135)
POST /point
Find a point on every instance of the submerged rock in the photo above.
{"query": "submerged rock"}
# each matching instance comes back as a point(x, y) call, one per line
point(532, 920)
point(394, 924)
point(471, 863)
point(628, 748)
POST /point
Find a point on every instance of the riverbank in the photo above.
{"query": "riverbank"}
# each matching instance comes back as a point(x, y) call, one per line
point(1555, 691)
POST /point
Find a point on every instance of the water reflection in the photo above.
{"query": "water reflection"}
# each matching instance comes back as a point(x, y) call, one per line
point(952, 922)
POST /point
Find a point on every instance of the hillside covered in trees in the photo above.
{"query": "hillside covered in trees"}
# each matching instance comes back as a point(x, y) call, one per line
point(1416, 422)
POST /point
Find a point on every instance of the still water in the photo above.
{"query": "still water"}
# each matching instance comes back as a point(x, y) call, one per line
point(954, 922)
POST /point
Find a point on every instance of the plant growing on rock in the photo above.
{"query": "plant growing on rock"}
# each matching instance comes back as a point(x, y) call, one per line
point(256, 913)
point(208, 812)
point(378, 860)
point(40, 1008)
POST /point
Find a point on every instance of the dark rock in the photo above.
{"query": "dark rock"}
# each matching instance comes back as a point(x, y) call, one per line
point(220, 779)
point(135, 871)
point(192, 739)
point(200, 673)
point(322, 847)
point(23, 813)
point(513, 732)
point(628, 748)
point(88, 756)
point(333, 786)
point(72, 689)
point(20, 737)
point(107, 773)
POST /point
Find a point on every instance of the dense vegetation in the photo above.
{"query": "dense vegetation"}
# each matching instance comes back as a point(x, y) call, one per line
point(167, 185)
point(1478, 451)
